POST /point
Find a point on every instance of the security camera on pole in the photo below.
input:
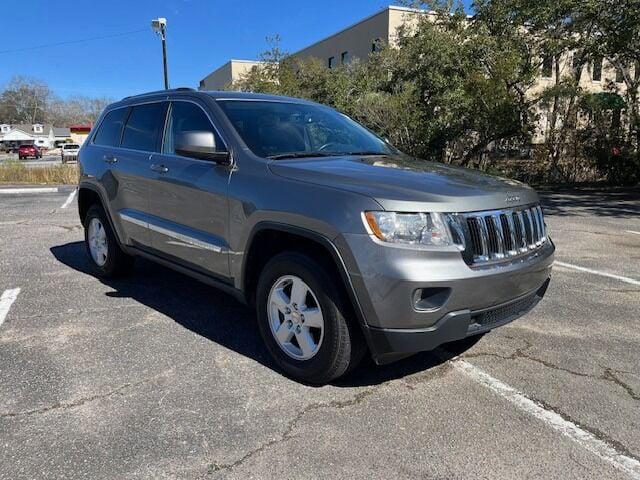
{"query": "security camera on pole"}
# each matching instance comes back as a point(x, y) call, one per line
point(159, 25)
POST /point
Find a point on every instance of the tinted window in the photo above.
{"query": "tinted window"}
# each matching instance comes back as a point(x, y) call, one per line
point(110, 128)
point(187, 117)
point(597, 69)
point(547, 66)
point(278, 128)
point(143, 127)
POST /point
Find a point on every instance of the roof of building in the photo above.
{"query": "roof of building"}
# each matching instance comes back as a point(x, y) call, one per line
point(28, 129)
point(61, 131)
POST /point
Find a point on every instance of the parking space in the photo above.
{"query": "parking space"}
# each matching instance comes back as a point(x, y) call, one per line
point(160, 376)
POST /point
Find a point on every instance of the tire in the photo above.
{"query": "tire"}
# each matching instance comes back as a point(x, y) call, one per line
point(339, 345)
point(105, 255)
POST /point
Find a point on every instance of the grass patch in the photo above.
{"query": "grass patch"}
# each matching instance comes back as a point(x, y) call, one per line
point(13, 171)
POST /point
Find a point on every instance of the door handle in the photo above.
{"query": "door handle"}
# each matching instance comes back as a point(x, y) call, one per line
point(110, 159)
point(159, 168)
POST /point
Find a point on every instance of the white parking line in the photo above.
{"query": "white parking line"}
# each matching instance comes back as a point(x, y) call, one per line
point(69, 199)
point(582, 437)
point(17, 191)
point(632, 231)
point(7, 298)
point(632, 281)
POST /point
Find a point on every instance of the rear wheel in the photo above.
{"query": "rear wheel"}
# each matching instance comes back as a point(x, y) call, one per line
point(304, 320)
point(106, 256)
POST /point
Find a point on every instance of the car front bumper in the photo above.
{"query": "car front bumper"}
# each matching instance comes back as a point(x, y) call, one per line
point(475, 300)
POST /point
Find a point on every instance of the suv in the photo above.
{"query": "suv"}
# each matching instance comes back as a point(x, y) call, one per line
point(69, 151)
point(26, 151)
point(343, 244)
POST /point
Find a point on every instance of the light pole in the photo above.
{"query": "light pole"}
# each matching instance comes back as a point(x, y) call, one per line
point(159, 25)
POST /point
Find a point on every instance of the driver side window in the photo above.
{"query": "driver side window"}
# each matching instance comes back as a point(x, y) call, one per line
point(187, 117)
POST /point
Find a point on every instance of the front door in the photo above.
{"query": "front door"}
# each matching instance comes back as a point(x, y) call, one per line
point(188, 197)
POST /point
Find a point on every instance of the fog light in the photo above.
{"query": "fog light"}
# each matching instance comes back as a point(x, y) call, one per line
point(425, 299)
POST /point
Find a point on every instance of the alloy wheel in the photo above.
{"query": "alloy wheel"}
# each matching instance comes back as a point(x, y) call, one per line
point(295, 317)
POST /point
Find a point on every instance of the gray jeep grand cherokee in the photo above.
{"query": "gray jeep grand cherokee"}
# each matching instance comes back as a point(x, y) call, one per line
point(342, 243)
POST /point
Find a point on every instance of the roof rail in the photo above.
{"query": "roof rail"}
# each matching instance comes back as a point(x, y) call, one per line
point(178, 89)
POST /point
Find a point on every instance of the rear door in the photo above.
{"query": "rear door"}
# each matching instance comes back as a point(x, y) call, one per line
point(188, 197)
point(130, 169)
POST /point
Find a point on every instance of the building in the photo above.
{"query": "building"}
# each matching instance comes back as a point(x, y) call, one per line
point(354, 41)
point(364, 37)
point(41, 135)
point(228, 73)
point(361, 38)
point(80, 132)
point(61, 135)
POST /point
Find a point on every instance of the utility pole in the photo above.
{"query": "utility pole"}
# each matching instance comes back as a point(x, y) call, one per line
point(159, 25)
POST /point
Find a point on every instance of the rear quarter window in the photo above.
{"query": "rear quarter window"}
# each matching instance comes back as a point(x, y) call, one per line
point(108, 133)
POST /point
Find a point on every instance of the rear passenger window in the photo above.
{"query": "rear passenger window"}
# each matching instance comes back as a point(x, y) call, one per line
point(144, 127)
point(187, 117)
point(109, 132)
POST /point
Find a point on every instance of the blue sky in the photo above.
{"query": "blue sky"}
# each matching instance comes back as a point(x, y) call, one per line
point(202, 35)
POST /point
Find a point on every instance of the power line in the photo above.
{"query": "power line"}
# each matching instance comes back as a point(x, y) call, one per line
point(72, 42)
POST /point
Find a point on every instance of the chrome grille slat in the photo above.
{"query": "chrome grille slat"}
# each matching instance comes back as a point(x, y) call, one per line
point(499, 235)
point(484, 237)
point(501, 245)
point(531, 238)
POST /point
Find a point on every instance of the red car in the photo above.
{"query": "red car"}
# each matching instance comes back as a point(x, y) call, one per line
point(26, 151)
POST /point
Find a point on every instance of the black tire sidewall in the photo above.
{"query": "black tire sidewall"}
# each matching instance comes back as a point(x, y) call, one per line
point(332, 359)
point(113, 250)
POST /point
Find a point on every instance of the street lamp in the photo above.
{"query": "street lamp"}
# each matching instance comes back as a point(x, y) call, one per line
point(159, 25)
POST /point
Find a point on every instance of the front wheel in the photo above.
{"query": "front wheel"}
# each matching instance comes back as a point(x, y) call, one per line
point(305, 320)
point(106, 256)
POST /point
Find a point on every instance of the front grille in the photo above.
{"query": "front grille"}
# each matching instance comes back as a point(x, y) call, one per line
point(501, 235)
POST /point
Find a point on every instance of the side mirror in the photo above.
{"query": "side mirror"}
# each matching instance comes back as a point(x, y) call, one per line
point(200, 145)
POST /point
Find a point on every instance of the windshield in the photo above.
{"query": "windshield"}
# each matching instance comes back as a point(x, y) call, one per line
point(284, 130)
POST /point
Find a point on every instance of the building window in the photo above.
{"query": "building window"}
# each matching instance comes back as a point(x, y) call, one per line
point(547, 66)
point(37, 128)
point(5, 128)
point(596, 74)
point(619, 75)
point(344, 58)
point(332, 62)
point(376, 45)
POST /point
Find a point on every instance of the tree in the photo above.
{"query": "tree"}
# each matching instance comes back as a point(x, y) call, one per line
point(24, 100)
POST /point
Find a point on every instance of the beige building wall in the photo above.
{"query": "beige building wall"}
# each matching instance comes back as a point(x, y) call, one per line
point(608, 82)
point(358, 40)
point(228, 73)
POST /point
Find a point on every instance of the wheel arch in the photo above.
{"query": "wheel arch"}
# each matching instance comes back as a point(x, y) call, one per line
point(88, 195)
point(261, 247)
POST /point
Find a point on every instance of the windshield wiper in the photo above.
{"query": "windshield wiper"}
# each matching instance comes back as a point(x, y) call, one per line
point(364, 153)
point(300, 155)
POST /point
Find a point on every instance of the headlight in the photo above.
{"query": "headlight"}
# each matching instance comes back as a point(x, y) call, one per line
point(430, 229)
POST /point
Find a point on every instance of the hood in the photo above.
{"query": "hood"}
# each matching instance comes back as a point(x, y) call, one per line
point(403, 183)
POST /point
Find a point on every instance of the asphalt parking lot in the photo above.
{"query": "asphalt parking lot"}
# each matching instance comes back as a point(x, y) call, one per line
point(160, 376)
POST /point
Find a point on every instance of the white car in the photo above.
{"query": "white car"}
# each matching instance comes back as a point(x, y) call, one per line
point(70, 152)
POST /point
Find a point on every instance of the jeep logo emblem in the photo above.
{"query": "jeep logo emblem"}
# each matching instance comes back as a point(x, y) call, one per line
point(512, 198)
